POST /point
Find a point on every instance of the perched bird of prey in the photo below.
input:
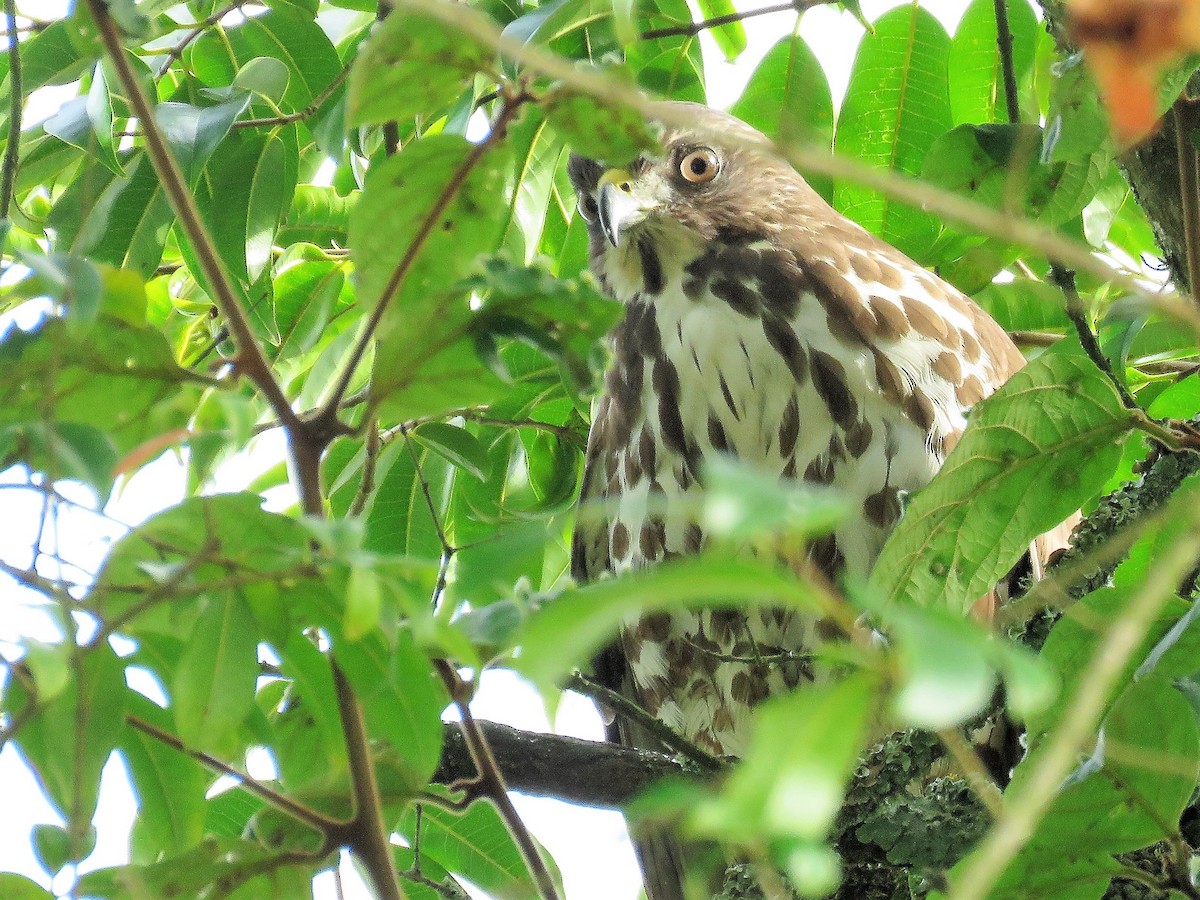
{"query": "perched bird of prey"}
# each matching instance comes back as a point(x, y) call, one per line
point(760, 323)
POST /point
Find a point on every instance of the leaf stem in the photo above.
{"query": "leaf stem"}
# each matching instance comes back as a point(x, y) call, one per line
point(298, 811)
point(1065, 279)
point(632, 712)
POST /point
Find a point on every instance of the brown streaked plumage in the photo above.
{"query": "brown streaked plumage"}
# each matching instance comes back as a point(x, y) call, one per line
point(761, 323)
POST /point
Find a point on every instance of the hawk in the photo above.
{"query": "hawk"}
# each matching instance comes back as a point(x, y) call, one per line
point(759, 323)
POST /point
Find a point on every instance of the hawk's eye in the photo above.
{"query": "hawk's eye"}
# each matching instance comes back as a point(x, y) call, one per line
point(588, 208)
point(700, 166)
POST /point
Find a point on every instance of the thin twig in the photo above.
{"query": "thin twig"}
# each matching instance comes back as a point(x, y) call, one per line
point(1026, 804)
point(308, 112)
point(395, 282)
point(972, 768)
point(12, 149)
point(1004, 43)
point(1189, 187)
point(492, 781)
point(366, 484)
point(301, 813)
point(1065, 279)
point(631, 712)
point(177, 51)
point(693, 28)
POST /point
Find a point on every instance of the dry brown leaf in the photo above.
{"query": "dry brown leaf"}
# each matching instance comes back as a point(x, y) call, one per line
point(1128, 44)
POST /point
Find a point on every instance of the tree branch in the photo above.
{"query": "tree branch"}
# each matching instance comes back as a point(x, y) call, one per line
point(250, 358)
point(491, 780)
point(1004, 43)
point(12, 149)
point(512, 104)
point(588, 773)
point(1189, 186)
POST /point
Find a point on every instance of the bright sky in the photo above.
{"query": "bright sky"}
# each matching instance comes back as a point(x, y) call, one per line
point(590, 846)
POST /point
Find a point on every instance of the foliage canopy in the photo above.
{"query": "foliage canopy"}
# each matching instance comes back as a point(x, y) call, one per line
point(291, 217)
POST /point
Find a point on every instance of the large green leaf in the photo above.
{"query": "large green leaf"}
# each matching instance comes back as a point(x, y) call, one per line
point(282, 33)
point(896, 106)
point(403, 700)
point(413, 65)
point(425, 216)
point(205, 540)
point(475, 844)
point(568, 631)
point(170, 787)
point(1033, 452)
point(976, 77)
point(87, 718)
point(110, 376)
point(213, 688)
point(730, 37)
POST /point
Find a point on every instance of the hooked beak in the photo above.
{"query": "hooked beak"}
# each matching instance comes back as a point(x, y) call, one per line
point(617, 207)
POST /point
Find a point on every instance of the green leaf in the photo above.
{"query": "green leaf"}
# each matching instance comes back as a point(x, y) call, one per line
point(976, 76)
point(597, 129)
point(789, 789)
point(252, 179)
point(52, 845)
point(121, 221)
point(195, 132)
point(169, 787)
point(943, 688)
point(731, 37)
point(88, 716)
point(788, 98)
point(476, 845)
point(413, 65)
point(1034, 452)
point(213, 689)
point(265, 76)
point(18, 887)
point(112, 377)
point(284, 34)
point(456, 444)
point(896, 106)
point(425, 216)
point(312, 681)
point(741, 503)
point(213, 537)
point(569, 630)
point(538, 151)
point(403, 700)
point(308, 295)
point(669, 67)
point(364, 602)
point(1025, 305)
point(398, 518)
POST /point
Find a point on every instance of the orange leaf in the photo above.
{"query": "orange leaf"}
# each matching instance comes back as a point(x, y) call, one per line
point(147, 450)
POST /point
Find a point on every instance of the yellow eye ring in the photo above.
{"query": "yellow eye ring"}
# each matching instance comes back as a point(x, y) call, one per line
point(699, 166)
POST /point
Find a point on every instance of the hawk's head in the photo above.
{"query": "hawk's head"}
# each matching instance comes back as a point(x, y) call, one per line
point(715, 181)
